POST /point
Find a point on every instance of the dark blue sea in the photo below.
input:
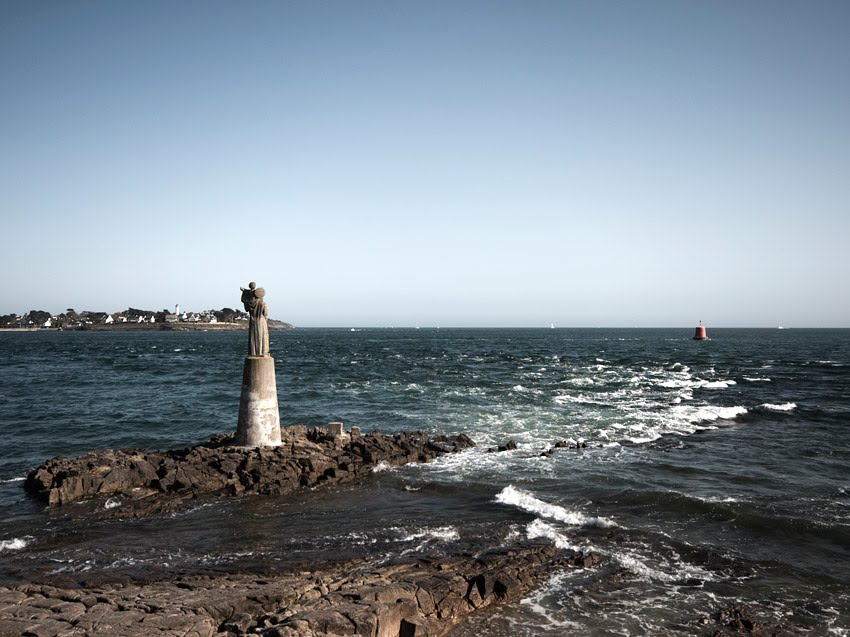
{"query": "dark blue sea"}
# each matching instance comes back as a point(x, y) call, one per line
point(715, 471)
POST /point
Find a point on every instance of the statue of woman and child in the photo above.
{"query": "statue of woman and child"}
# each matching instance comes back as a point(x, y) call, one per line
point(258, 312)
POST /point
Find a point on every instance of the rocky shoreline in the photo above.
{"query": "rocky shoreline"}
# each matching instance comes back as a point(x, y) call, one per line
point(422, 594)
point(143, 483)
point(415, 597)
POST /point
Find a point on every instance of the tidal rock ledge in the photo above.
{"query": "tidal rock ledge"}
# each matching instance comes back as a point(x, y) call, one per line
point(416, 597)
point(146, 482)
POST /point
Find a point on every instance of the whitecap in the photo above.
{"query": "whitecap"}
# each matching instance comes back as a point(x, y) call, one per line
point(538, 528)
point(719, 384)
point(21, 479)
point(782, 407)
point(15, 544)
point(756, 379)
point(528, 502)
point(707, 413)
point(381, 466)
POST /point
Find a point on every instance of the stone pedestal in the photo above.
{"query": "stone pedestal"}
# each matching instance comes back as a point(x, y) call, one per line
point(259, 418)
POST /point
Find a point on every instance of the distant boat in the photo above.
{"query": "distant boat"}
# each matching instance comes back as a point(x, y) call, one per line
point(551, 326)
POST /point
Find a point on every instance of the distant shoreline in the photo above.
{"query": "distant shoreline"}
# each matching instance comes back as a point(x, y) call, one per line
point(150, 327)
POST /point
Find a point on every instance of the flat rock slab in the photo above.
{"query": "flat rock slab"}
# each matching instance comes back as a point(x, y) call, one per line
point(415, 597)
point(150, 482)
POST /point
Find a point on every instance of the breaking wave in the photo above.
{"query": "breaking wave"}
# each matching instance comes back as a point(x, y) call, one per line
point(527, 502)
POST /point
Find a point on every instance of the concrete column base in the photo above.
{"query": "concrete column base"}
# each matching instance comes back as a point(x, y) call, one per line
point(259, 418)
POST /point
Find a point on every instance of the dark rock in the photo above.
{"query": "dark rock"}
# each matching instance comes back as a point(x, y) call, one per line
point(740, 619)
point(510, 445)
point(306, 458)
point(414, 597)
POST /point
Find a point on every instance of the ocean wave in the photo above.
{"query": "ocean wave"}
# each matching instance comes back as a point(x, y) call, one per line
point(527, 502)
point(382, 466)
point(676, 383)
point(707, 413)
point(640, 568)
point(425, 537)
point(16, 543)
point(756, 379)
point(442, 534)
point(537, 528)
point(782, 407)
point(520, 388)
point(718, 384)
point(21, 479)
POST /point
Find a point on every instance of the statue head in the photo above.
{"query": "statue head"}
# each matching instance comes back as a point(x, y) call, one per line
point(252, 285)
point(259, 293)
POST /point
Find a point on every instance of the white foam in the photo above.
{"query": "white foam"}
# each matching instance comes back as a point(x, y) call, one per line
point(782, 407)
point(538, 528)
point(12, 480)
point(111, 503)
point(381, 466)
point(15, 544)
point(719, 384)
point(541, 604)
point(707, 413)
point(527, 502)
point(425, 537)
point(442, 533)
point(756, 379)
point(525, 390)
point(642, 570)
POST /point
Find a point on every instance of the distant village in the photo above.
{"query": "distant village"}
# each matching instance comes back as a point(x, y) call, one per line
point(70, 319)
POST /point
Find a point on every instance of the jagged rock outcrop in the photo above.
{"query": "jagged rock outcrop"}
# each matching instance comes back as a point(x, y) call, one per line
point(414, 597)
point(147, 482)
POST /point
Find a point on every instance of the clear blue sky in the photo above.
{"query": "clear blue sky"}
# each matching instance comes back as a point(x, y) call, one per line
point(430, 163)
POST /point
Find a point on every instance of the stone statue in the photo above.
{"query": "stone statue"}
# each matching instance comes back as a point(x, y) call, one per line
point(258, 326)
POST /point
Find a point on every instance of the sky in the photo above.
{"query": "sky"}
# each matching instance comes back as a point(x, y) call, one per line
point(441, 163)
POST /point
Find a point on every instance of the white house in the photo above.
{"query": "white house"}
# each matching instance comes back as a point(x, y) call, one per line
point(109, 320)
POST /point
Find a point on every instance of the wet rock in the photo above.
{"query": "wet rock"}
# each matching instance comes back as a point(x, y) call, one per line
point(510, 445)
point(162, 481)
point(741, 619)
point(416, 596)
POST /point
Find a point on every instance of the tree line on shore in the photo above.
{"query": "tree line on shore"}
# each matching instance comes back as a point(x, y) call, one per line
point(70, 317)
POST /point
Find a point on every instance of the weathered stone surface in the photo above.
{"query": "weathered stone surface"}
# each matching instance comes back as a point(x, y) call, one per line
point(415, 596)
point(740, 619)
point(145, 483)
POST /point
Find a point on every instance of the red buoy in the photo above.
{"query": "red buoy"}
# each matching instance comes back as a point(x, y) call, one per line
point(699, 334)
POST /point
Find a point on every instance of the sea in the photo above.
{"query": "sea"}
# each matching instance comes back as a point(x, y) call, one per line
point(705, 473)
